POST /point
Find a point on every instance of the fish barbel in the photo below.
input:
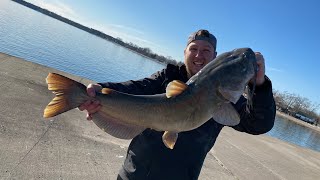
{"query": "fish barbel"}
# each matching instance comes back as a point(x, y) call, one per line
point(184, 106)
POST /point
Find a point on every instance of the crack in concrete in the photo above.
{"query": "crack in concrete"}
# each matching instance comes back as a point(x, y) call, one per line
point(59, 156)
point(223, 166)
point(22, 159)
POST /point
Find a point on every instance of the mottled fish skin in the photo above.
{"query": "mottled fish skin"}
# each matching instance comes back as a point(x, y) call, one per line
point(182, 108)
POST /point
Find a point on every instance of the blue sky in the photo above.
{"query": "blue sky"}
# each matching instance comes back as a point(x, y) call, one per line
point(286, 32)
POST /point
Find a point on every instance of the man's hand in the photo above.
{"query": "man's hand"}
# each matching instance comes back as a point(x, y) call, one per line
point(92, 106)
point(261, 69)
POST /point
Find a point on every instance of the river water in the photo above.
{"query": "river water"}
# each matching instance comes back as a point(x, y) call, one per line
point(38, 38)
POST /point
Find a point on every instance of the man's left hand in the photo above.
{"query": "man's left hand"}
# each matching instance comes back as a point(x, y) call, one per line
point(261, 69)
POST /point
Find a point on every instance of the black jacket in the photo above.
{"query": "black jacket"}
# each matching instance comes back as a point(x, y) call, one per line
point(148, 158)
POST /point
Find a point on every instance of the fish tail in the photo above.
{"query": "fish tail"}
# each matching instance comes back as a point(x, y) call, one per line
point(69, 94)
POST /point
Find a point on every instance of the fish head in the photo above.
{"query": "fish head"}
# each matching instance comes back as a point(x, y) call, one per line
point(223, 80)
point(233, 70)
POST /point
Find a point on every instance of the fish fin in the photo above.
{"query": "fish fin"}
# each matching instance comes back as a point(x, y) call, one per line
point(64, 90)
point(227, 115)
point(248, 94)
point(169, 139)
point(175, 88)
point(115, 127)
point(57, 105)
point(232, 96)
point(106, 90)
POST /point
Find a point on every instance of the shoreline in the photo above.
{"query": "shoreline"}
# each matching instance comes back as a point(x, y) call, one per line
point(298, 121)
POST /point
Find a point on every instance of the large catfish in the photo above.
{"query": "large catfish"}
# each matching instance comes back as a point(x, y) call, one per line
point(184, 106)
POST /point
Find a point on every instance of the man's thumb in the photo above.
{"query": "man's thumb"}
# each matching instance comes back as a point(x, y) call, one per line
point(91, 91)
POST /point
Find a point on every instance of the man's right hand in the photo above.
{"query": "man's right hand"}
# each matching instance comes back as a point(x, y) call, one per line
point(92, 106)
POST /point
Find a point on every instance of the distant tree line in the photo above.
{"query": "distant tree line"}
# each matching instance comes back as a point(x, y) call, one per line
point(296, 105)
point(143, 51)
point(146, 52)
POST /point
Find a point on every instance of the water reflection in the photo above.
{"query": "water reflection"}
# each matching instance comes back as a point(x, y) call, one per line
point(291, 132)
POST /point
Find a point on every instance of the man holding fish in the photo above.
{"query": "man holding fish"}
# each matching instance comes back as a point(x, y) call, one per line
point(150, 154)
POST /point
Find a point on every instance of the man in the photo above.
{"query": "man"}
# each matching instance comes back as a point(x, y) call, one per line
point(147, 157)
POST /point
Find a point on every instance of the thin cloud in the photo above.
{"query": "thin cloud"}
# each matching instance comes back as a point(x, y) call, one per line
point(127, 34)
point(142, 42)
point(118, 26)
point(275, 69)
point(135, 36)
point(56, 7)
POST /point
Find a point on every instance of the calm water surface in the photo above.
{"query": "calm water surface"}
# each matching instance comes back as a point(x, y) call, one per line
point(296, 134)
point(38, 38)
point(31, 35)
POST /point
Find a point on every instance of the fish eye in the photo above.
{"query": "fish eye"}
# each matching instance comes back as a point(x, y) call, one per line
point(232, 57)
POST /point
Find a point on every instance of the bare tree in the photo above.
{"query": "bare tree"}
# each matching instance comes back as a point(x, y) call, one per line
point(279, 99)
point(293, 104)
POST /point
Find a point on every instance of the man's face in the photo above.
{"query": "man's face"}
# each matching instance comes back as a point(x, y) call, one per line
point(197, 54)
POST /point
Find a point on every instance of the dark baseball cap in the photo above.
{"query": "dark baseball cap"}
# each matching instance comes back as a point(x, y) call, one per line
point(204, 35)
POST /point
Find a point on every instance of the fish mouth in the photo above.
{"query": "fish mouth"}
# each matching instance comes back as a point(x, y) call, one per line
point(246, 65)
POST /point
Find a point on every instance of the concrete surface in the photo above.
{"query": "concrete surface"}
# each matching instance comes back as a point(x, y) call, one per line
point(69, 147)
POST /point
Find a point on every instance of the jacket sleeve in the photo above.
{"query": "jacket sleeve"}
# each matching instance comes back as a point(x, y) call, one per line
point(261, 117)
point(146, 86)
